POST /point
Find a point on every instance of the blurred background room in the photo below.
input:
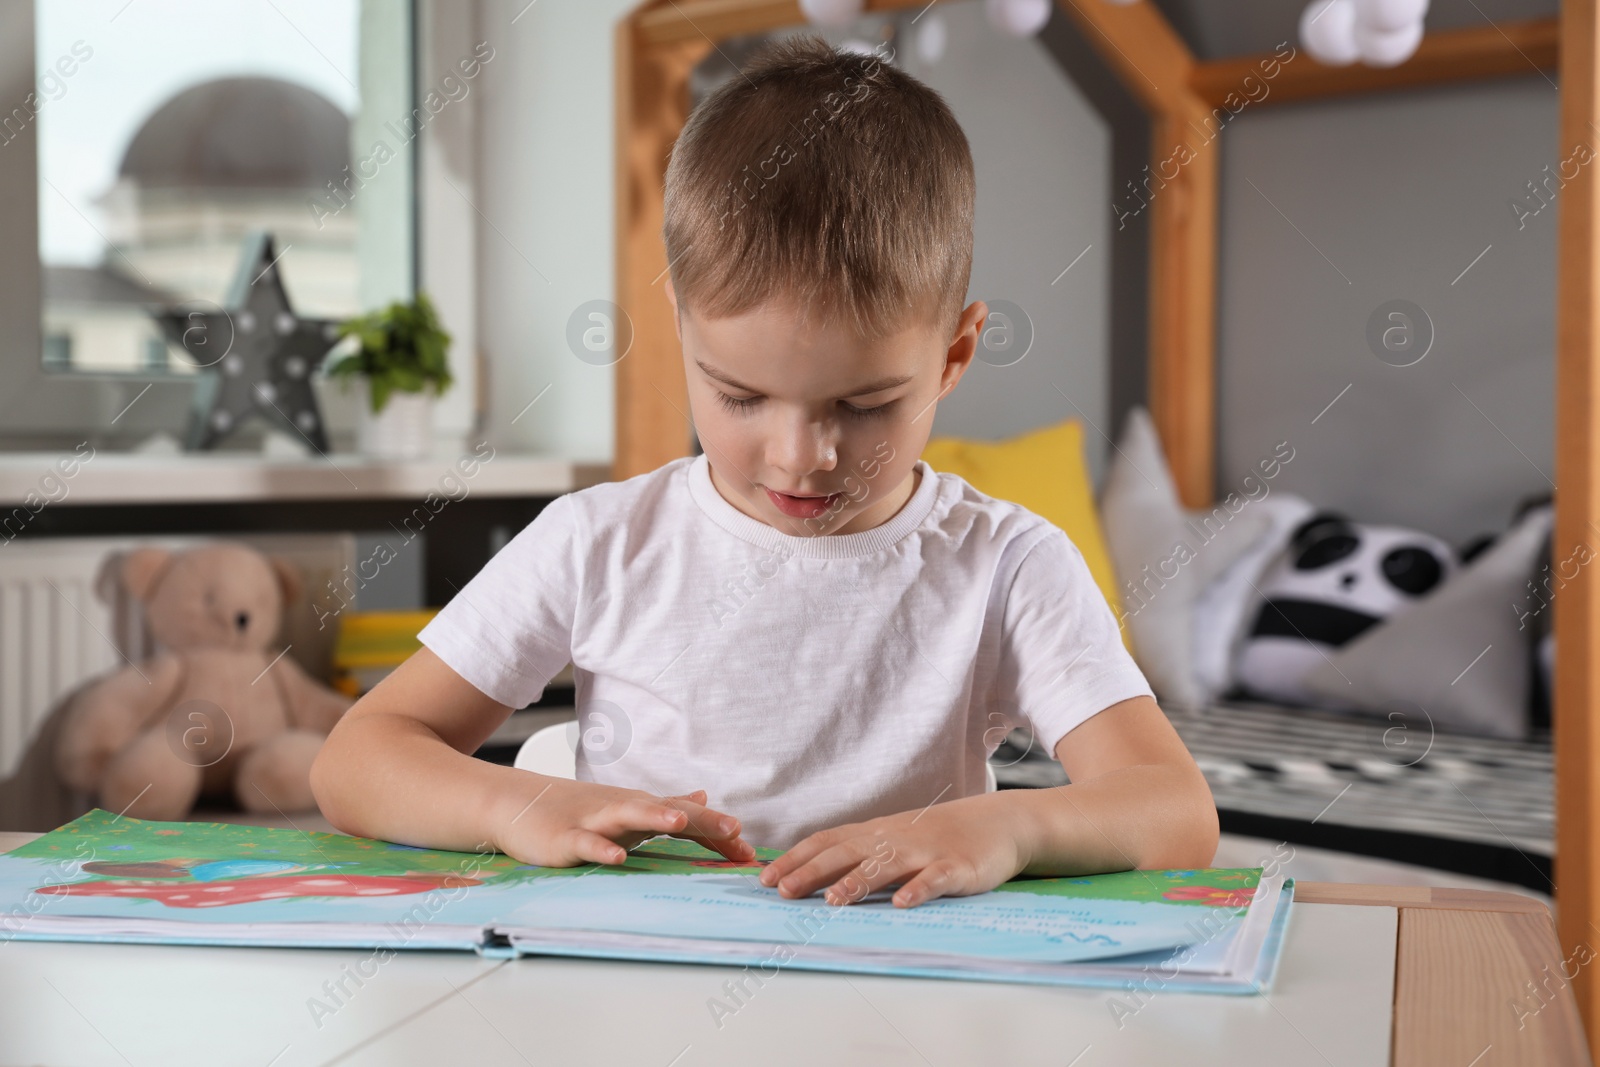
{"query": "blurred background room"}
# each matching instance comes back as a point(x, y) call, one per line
point(356, 287)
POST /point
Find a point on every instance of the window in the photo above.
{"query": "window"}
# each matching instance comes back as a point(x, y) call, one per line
point(142, 143)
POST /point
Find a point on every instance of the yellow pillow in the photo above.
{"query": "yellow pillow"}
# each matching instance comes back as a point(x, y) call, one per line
point(1043, 471)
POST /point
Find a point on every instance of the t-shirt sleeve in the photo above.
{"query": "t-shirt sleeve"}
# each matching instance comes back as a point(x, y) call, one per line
point(1062, 659)
point(509, 630)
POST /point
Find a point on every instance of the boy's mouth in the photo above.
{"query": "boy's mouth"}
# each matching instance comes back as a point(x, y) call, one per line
point(801, 507)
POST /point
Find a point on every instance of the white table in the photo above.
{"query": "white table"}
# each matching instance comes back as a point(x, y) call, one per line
point(1350, 988)
point(115, 1005)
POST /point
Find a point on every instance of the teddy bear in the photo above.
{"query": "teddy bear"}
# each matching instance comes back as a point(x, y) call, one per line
point(219, 707)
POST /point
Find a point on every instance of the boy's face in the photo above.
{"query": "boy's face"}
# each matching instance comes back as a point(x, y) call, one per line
point(816, 432)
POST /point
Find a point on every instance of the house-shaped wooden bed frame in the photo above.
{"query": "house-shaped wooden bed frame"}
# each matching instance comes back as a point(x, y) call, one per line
point(660, 42)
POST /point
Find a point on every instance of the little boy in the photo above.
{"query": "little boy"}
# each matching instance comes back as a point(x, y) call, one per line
point(804, 638)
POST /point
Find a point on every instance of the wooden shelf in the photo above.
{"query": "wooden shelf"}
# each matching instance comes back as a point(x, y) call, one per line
point(134, 478)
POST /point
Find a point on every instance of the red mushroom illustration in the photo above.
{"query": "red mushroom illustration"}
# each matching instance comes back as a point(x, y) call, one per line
point(254, 890)
point(728, 863)
point(1215, 895)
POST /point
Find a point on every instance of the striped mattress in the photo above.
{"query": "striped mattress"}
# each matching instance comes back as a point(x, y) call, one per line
point(1324, 778)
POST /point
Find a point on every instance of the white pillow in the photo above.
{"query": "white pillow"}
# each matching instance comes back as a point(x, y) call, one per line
point(1224, 609)
point(1164, 557)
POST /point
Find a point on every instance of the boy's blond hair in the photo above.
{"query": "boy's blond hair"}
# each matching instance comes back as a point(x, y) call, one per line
point(825, 180)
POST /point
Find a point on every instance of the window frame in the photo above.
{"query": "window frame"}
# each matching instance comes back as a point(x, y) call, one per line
point(40, 408)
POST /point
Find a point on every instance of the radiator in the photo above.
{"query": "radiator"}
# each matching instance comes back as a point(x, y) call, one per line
point(64, 618)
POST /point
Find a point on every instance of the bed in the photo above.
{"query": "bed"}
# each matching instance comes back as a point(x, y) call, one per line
point(1468, 804)
point(1453, 802)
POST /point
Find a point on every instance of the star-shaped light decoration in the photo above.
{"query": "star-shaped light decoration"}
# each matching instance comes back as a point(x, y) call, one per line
point(255, 355)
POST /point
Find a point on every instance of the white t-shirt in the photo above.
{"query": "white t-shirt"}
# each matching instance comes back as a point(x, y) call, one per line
point(802, 681)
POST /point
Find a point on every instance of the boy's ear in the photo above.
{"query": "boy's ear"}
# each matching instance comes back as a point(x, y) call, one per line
point(964, 345)
point(677, 320)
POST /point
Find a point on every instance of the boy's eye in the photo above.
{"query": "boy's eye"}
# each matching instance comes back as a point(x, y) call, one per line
point(737, 404)
point(867, 413)
point(745, 403)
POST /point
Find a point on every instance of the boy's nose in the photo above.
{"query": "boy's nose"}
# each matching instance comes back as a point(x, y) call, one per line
point(804, 452)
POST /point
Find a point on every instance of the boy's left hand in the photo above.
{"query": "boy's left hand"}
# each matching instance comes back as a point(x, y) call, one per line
point(957, 848)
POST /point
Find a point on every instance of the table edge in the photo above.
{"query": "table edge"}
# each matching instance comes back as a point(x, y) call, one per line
point(1416, 896)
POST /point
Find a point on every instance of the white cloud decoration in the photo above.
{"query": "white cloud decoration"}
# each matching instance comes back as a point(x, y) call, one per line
point(832, 12)
point(1020, 18)
point(1387, 48)
point(1379, 33)
point(1389, 15)
point(1017, 18)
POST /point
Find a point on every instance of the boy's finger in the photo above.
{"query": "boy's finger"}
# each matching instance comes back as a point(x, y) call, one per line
point(932, 881)
point(715, 830)
point(708, 822)
point(872, 874)
point(635, 815)
point(683, 819)
point(736, 849)
point(654, 816)
point(831, 865)
point(590, 847)
point(801, 853)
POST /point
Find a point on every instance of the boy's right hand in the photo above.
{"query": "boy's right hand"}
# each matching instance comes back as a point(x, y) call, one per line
point(569, 822)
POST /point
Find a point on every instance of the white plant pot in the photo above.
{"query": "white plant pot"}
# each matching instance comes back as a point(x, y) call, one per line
point(402, 430)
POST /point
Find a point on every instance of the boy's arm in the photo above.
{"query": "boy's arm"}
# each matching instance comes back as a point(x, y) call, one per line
point(1136, 800)
point(398, 767)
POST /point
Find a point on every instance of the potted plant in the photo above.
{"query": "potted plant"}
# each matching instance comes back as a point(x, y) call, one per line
point(401, 357)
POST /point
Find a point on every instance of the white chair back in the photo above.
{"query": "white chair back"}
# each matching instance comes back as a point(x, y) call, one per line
point(551, 750)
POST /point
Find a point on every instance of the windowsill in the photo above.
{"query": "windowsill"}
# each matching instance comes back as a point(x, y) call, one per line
point(27, 478)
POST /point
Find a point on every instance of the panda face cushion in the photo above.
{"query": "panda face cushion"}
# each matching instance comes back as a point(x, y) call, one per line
point(1469, 631)
point(1334, 581)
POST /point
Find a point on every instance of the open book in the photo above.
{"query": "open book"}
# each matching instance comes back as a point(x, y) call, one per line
point(104, 877)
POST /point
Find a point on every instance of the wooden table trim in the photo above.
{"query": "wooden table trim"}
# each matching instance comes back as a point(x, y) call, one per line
point(1479, 975)
point(1416, 896)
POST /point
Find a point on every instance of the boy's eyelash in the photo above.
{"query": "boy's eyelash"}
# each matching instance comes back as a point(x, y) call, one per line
point(744, 404)
point(737, 404)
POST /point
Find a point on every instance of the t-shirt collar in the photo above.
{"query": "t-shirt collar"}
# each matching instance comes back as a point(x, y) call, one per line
point(824, 546)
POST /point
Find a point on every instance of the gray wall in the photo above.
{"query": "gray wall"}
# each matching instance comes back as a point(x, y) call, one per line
point(1042, 156)
point(1372, 199)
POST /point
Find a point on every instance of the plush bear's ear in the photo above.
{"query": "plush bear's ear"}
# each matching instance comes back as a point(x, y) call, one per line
point(108, 579)
point(142, 569)
point(289, 580)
